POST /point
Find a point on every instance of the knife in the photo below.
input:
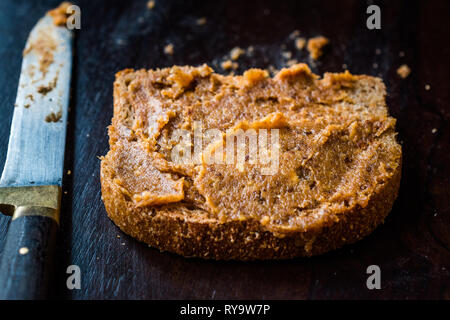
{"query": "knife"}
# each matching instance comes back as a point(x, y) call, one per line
point(30, 186)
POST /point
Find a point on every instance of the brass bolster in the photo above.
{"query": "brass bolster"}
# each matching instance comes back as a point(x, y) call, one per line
point(31, 201)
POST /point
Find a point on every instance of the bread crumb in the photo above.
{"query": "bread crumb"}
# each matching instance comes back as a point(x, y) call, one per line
point(272, 70)
point(291, 62)
point(169, 49)
point(201, 21)
point(286, 54)
point(150, 4)
point(235, 53)
point(344, 66)
point(315, 46)
point(226, 65)
point(65, 192)
point(427, 87)
point(403, 71)
point(23, 251)
point(300, 43)
point(434, 130)
point(294, 34)
point(69, 172)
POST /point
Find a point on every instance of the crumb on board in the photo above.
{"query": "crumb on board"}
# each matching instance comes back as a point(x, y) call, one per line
point(344, 66)
point(60, 14)
point(300, 43)
point(235, 53)
point(286, 54)
point(434, 130)
point(26, 106)
point(294, 34)
point(403, 71)
point(69, 172)
point(291, 62)
point(427, 87)
point(272, 69)
point(169, 49)
point(150, 4)
point(315, 46)
point(226, 65)
point(201, 21)
point(23, 251)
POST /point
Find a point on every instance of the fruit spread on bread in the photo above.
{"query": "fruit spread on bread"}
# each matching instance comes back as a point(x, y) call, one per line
point(335, 178)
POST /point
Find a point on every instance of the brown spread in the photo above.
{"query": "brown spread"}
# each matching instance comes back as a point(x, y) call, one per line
point(53, 117)
point(60, 14)
point(43, 46)
point(337, 142)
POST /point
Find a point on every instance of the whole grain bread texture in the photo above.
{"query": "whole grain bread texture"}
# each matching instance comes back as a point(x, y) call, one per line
point(338, 172)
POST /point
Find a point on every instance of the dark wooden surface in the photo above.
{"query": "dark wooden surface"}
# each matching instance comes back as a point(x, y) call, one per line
point(411, 248)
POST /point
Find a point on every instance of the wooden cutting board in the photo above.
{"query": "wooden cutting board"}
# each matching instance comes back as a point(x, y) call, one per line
point(411, 248)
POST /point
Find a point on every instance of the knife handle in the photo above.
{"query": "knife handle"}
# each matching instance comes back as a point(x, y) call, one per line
point(28, 255)
point(26, 264)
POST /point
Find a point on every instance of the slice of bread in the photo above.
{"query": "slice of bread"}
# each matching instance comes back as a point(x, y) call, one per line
point(337, 174)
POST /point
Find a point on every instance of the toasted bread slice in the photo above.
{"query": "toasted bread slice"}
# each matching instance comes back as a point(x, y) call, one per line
point(337, 171)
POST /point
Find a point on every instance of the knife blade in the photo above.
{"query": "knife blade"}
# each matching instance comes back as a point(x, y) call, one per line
point(38, 131)
point(30, 185)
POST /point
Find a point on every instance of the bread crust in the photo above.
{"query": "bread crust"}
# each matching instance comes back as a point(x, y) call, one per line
point(240, 239)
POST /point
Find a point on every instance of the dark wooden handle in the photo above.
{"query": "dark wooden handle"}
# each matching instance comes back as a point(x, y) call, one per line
point(27, 259)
